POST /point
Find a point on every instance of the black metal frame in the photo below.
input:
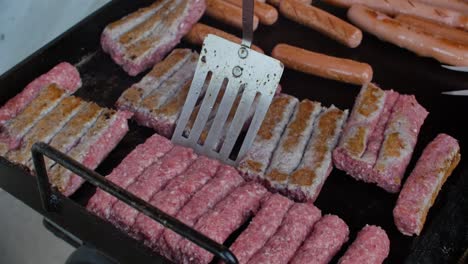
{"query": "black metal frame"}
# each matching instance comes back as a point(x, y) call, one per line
point(51, 199)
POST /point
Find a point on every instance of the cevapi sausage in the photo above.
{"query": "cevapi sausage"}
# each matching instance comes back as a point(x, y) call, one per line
point(411, 7)
point(267, 15)
point(437, 29)
point(460, 5)
point(421, 43)
point(334, 68)
point(277, 2)
point(227, 13)
point(199, 32)
point(322, 21)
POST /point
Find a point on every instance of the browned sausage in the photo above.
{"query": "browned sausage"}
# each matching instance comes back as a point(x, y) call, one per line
point(199, 31)
point(267, 15)
point(334, 68)
point(411, 7)
point(227, 13)
point(277, 2)
point(437, 29)
point(460, 5)
point(322, 21)
point(421, 43)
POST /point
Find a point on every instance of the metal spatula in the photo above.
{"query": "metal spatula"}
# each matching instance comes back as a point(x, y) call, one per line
point(239, 71)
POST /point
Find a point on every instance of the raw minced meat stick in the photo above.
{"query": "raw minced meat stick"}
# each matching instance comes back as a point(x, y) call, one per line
point(128, 171)
point(71, 133)
point(263, 226)
point(131, 98)
point(290, 150)
point(400, 137)
point(174, 196)
point(294, 229)
point(420, 190)
point(46, 128)
point(100, 140)
point(326, 239)
point(64, 75)
point(226, 179)
point(307, 180)
point(226, 217)
point(153, 179)
point(371, 246)
point(255, 163)
point(14, 130)
point(144, 37)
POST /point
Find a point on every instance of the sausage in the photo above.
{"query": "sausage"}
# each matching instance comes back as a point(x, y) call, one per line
point(227, 13)
point(267, 15)
point(437, 29)
point(459, 5)
point(411, 7)
point(419, 42)
point(343, 70)
point(277, 2)
point(322, 21)
point(199, 32)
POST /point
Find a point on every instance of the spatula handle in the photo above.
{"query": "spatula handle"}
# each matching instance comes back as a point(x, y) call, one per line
point(247, 22)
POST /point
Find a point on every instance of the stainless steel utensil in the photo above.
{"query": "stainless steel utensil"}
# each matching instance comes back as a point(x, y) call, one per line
point(241, 72)
point(457, 93)
point(456, 68)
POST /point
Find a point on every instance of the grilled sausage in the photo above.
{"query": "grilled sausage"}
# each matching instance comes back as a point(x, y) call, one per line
point(267, 15)
point(334, 68)
point(199, 32)
point(421, 43)
point(460, 5)
point(227, 13)
point(410, 7)
point(322, 21)
point(277, 2)
point(437, 29)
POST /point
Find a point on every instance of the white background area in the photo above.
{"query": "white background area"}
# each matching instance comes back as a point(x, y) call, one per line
point(27, 25)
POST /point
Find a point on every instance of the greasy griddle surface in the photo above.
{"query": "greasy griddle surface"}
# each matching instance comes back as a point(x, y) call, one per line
point(445, 234)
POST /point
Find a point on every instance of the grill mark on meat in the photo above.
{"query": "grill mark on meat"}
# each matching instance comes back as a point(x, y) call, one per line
point(69, 136)
point(161, 72)
point(306, 182)
point(46, 128)
point(16, 128)
point(148, 26)
point(144, 45)
point(289, 152)
point(255, 163)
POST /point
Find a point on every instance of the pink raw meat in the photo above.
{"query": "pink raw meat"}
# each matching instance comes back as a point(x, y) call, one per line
point(151, 181)
point(176, 194)
point(326, 239)
point(296, 225)
point(65, 75)
point(370, 247)
point(128, 170)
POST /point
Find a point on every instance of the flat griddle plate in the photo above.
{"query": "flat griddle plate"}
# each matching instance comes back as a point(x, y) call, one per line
point(445, 236)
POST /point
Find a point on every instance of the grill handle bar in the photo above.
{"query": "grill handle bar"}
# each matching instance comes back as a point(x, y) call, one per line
point(50, 199)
